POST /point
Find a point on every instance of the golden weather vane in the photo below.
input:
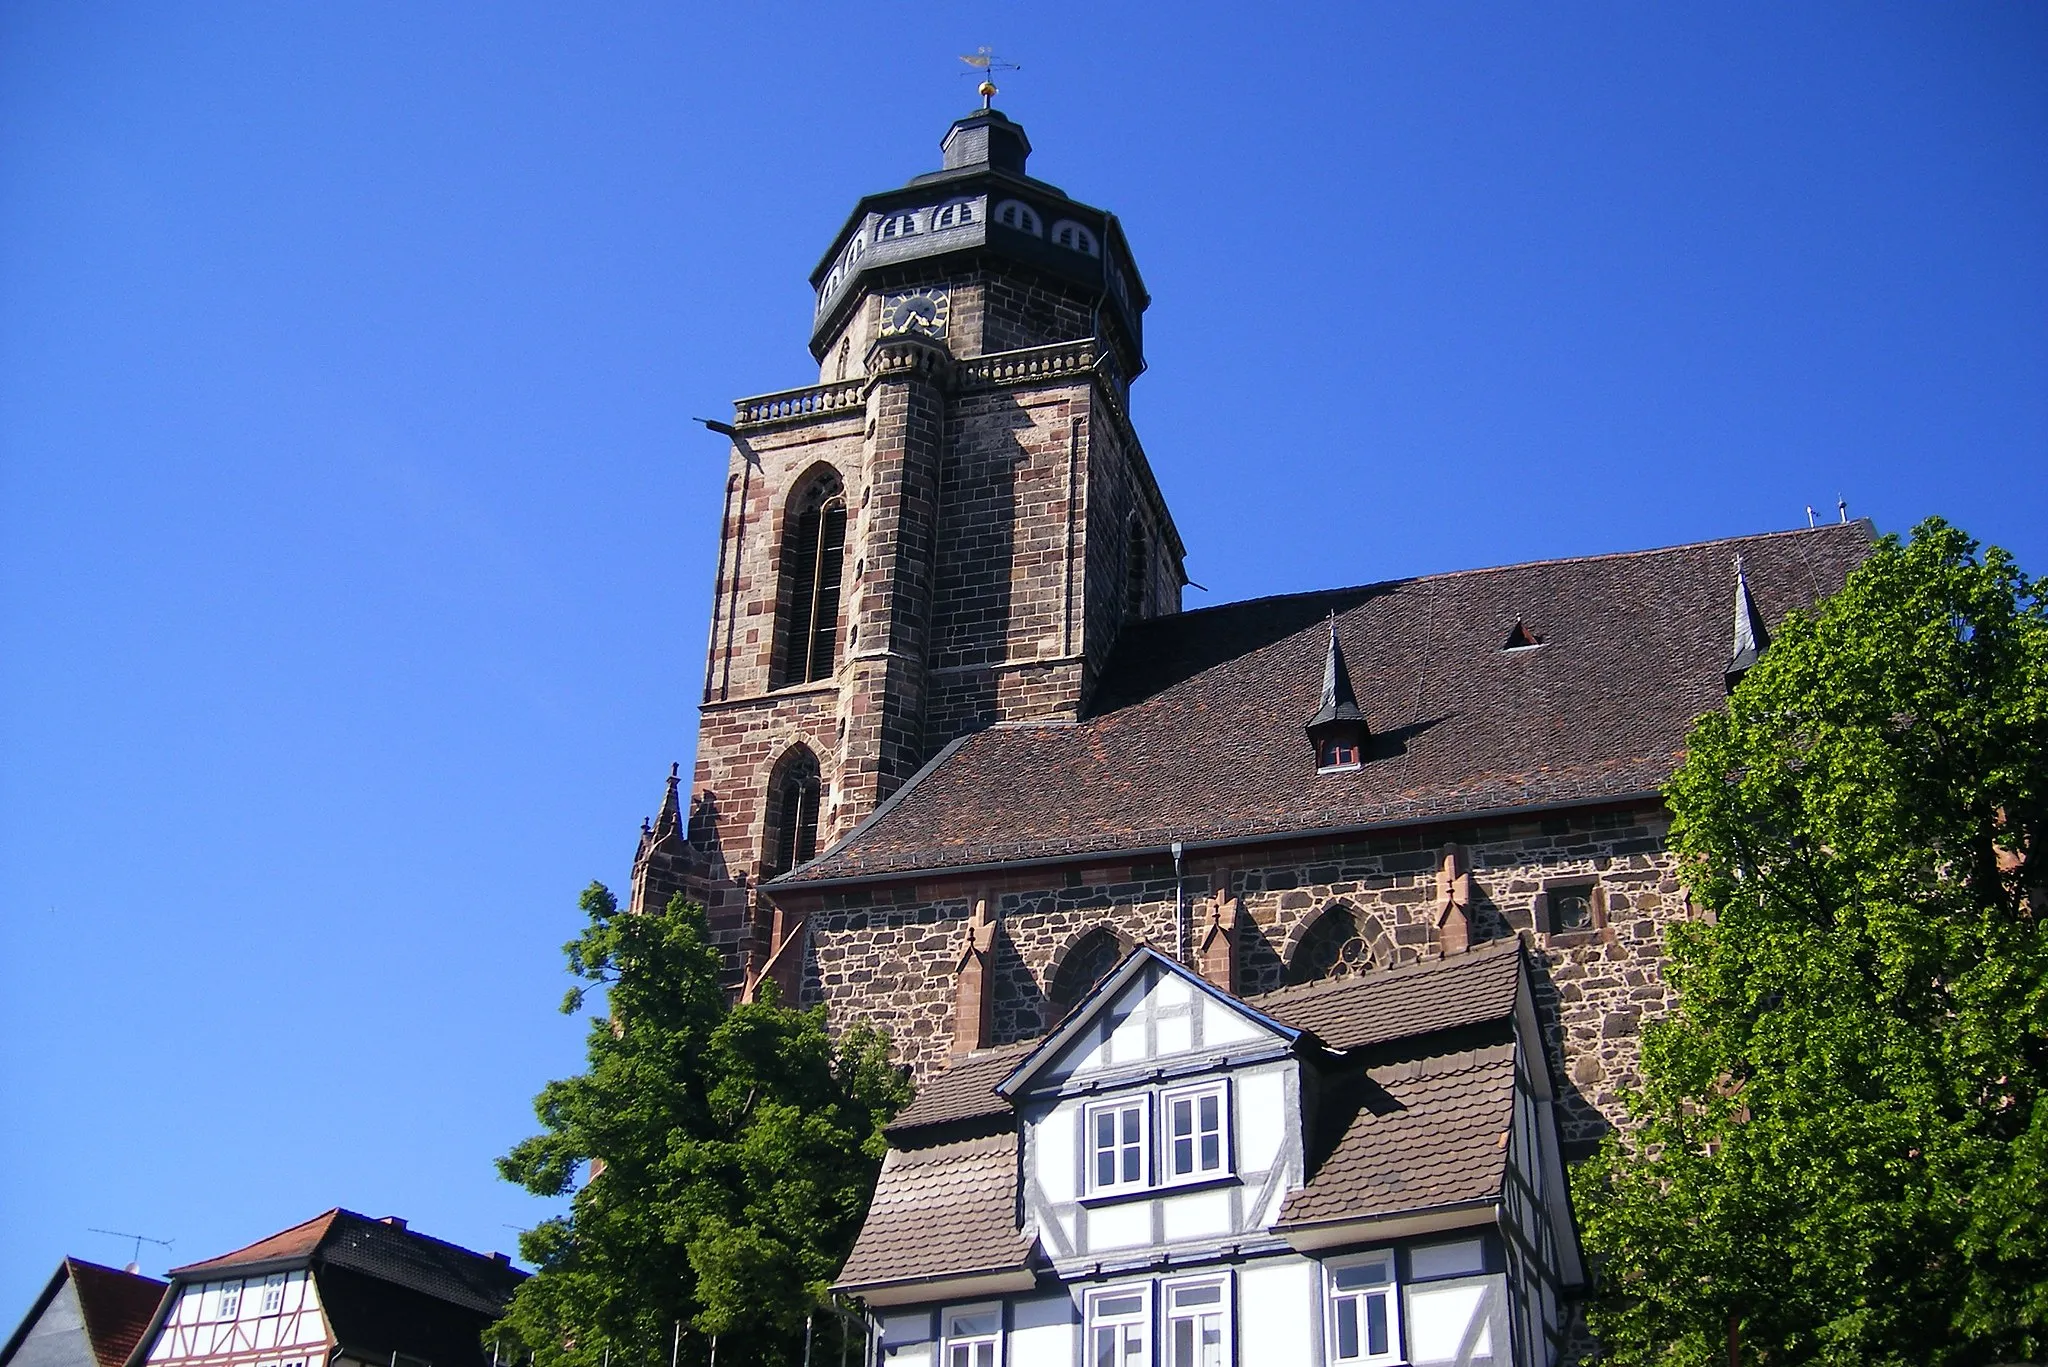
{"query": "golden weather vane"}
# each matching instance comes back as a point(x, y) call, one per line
point(987, 64)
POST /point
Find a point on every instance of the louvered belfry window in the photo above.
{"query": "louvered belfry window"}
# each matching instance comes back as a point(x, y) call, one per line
point(813, 566)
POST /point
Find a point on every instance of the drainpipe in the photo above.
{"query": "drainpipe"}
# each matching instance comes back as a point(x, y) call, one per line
point(1180, 919)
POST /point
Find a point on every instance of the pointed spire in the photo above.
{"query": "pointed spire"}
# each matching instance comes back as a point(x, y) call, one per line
point(1340, 704)
point(671, 813)
point(1751, 640)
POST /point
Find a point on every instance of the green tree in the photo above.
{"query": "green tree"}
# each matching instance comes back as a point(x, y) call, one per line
point(1841, 1142)
point(735, 1149)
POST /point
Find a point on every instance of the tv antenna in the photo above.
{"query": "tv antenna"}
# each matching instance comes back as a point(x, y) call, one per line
point(987, 64)
point(140, 1240)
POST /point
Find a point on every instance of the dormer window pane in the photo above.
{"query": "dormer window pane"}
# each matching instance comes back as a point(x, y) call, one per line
point(1116, 1143)
point(1194, 1132)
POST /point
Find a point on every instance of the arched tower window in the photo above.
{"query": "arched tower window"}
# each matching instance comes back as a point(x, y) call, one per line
point(813, 564)
point(958, 214)
point(1137, 572)
point(1012, 213)
point(794, 794)
point(1334, 947)
point(1087, 962)
point(1075, 238)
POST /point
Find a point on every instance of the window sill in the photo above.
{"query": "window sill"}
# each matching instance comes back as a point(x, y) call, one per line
point(1175, 1188)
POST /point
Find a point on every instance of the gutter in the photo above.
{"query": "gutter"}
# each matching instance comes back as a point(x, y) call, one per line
point(1219, 843)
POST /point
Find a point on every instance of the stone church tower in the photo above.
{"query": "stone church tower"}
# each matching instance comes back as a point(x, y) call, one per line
point(947, 531)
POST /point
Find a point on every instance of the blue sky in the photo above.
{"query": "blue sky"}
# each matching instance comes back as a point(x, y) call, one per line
point(356, 542)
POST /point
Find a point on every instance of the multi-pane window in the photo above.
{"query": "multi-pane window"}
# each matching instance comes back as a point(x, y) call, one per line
point(1116, 1145)
point(1196, 1144)
point(1363, 1324)
point(273, 1293)
point(973, 1337)
point(230, 1300)
point(1120, 1328)
point(1197, 1324)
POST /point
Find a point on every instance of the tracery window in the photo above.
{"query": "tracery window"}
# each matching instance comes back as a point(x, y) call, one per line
point(1334, 947)
point(1086, 964)
point(1013, 213)
point(794, 793)
point(1071, 235)
point(813, 563)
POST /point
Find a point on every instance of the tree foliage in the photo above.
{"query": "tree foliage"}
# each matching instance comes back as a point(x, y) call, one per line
point(1842, 1141)
point(735, 1149)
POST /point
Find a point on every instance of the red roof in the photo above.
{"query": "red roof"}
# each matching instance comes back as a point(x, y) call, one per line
point(297, 1242)
point(117, 1307)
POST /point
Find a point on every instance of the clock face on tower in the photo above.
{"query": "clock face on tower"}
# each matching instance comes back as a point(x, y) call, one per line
point(920, 313)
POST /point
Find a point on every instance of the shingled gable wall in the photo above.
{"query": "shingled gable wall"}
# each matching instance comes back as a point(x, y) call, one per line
point(887, 952)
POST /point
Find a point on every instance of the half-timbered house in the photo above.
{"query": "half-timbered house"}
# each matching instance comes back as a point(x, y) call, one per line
point(1354, 1172)
point(340, 1290)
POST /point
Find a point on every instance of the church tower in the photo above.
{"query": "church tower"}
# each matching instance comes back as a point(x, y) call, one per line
point(945, 533)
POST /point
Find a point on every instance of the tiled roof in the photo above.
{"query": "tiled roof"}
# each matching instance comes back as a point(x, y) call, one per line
point(297, 1242)
point(965, 1091)
point(1195, 732)
point(1344, 1013)
point(1376, 1008)
point(946, 1210)
point(117, 1307)
point(1431, 1133)
point(380, 1249)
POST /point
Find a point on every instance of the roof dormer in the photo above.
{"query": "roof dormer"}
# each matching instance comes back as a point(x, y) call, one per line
point(1338, 729)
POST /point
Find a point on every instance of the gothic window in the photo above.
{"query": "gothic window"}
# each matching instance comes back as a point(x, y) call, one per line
point(1075, 238)
point(1334, 947)
point(1137, 572)
point(813, 562)
point(897, 225)
point(958, 214)
point(1086, 964)
point(1571, 907)
point(1012, 213)
point(794, 792)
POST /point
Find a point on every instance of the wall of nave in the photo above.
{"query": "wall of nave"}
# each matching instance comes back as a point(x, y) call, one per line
point(1591, 891)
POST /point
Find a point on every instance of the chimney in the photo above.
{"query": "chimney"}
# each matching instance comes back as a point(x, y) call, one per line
point(1453, 903)
point(394, 1221)
point(1216, 951)
point(502, 1259)
point(974, 995)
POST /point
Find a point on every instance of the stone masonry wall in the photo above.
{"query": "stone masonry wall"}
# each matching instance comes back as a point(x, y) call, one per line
point(887, 955)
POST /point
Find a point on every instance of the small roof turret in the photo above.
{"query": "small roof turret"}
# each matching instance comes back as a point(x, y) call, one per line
point(1751, 639)
point(1340, 704)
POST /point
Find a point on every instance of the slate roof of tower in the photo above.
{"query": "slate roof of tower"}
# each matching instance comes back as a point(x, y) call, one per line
point(1195, 730)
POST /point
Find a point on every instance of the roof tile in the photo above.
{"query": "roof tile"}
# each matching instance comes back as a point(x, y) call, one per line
point(945, 1210)
point(1195, 732)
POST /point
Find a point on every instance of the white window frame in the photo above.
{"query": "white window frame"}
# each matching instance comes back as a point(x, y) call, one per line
point(1333, 1300)
point(948, 1341)
point(1142, 1104)
point(1169, 1170)
point(1226, 1354)
point(1137, 1325)
point(273, 1294)
point(229, 1306)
